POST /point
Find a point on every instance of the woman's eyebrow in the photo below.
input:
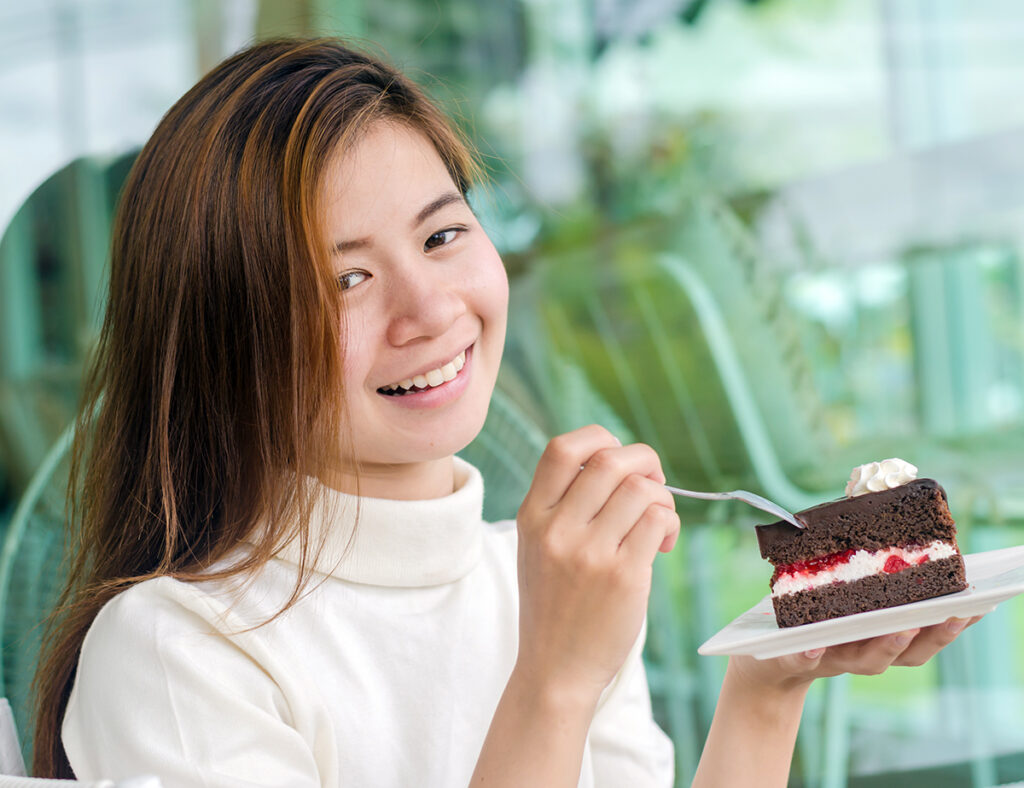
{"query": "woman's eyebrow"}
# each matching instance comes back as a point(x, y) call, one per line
point(428, 210)
point(347, 246)
point(436, 205)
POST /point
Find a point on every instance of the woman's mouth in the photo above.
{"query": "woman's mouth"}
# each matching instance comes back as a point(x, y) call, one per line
point(427, 380)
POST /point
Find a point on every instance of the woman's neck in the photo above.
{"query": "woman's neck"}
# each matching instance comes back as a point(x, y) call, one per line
point(406, 482)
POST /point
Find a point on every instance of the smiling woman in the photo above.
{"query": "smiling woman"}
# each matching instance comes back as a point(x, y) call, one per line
point(280, 573)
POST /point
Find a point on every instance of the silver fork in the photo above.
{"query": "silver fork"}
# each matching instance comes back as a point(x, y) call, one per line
point(740, 495)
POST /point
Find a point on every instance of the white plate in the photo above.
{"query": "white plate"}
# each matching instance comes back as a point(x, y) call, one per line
point(993, 577)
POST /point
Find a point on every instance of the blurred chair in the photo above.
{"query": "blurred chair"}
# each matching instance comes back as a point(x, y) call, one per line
point(507, 450)
point(11, 760)
point(30, 579)
point(53, 257)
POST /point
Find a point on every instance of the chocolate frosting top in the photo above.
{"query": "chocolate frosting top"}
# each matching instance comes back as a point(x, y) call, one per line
point(916, 512)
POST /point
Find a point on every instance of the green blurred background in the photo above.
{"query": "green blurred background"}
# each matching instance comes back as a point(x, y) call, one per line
point(774, 239)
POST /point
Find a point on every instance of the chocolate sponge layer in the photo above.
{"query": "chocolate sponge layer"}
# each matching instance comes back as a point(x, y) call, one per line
point(935, 578)
point(915, 512)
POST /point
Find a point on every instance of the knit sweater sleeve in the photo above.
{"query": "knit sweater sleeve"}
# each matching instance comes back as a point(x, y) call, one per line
point(627, 746)
point(160, 691)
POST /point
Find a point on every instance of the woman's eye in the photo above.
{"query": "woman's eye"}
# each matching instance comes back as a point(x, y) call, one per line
point(441, 237)
point(350, 279)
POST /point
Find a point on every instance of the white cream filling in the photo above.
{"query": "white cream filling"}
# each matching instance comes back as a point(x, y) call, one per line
point(434, 377)
point(861, 564)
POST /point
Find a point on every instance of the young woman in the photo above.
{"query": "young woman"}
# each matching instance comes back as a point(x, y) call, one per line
point(281, 576)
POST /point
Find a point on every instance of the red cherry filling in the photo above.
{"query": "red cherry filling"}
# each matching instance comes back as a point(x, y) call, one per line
point(894, 564)
point(811, 566)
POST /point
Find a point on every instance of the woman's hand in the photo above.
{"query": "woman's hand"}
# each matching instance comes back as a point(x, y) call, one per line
point(590, 527)
point(863, 657)
point(759, 707)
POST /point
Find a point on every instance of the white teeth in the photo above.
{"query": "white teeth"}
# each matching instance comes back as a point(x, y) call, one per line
point(434, 377)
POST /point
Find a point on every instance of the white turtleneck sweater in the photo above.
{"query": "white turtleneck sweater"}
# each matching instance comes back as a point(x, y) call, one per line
point(386, 674)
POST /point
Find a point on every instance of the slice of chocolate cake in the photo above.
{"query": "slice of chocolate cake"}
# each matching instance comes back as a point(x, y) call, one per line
point(877, 549)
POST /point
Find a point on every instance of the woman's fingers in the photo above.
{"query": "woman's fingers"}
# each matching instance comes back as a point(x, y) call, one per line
point(606, 472)
point(638, 517)
point(864, 657)
point(560, 463)
point(582, 472)
point(617, 490)
point(582, 599)
point(868, 657)
point(933, 639)
point(911, 647)
point(656, 530)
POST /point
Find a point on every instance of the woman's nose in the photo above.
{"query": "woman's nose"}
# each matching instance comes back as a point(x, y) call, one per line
point(422, 306)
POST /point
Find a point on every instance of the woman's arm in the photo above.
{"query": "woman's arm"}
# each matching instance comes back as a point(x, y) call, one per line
point(752, 733)
point(590, 527)
point(536, 737)
point(627, 748)
point(758, 713)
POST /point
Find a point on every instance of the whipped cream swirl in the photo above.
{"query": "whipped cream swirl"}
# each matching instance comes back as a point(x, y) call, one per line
point(877, 476)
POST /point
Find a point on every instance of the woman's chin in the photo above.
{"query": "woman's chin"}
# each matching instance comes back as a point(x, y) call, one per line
point(430, 451)
point(422, 449)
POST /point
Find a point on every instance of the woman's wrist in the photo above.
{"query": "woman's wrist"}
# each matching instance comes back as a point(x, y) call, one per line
point(763, 678)
point(758, 714)
point(562, 698)
point(538, 733)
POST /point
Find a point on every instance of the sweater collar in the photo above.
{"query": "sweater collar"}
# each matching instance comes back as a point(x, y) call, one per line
point(377, 541)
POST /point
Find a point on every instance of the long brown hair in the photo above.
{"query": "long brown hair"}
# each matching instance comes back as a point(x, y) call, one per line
point(216, 390)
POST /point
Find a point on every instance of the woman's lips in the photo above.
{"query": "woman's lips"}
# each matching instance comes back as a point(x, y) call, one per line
point(430, 379)
point(432, 396)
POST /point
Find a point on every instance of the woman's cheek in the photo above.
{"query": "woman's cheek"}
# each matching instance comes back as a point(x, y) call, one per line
point(492, 282)
point(355, 336)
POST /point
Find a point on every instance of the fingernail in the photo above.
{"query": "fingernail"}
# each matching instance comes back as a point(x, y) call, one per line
point(956, 625)
point(902, 640)
point(814, 653)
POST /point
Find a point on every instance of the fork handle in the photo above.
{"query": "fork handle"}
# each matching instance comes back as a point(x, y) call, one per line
point(707, 496)
point(749, 498)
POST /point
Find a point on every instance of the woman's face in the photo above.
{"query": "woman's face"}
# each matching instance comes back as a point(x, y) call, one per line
point(425, 299)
